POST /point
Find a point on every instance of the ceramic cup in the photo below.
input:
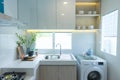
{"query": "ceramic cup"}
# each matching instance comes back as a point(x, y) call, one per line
point(81, 12)
point(94, 12)
point(91, 27)
point(83, 27)
point(78, 27)
point(89, 12)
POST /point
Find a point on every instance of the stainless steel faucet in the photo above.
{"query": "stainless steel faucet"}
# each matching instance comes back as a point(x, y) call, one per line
point(60, 47)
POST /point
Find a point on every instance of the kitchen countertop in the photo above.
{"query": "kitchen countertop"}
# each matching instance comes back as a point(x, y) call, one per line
point(39, 60)
point(23, 64)
point(31, 66)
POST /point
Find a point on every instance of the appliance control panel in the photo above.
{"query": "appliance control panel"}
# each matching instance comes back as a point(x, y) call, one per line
point(100, 63)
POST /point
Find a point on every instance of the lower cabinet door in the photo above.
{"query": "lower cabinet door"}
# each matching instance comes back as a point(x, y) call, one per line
point(61, 72)
point(48, 72)
point(67, 73)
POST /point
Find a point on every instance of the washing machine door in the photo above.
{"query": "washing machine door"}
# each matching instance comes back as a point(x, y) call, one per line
point(94, 73)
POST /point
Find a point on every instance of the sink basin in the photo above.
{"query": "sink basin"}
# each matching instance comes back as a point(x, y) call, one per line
point(51, 57)
point(63, 59)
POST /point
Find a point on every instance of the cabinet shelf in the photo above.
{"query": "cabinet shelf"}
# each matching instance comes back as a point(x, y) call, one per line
point(68, 30)
point(88, 13)
point(86, 30)
point(94, 15)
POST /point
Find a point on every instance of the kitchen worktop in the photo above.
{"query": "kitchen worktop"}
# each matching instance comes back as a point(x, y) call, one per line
point(31, 66)
point(23, 64)
point(39, 60)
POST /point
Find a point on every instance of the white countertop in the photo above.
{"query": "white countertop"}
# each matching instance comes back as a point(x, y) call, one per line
point(39, 60)
point(31, 66)
point(23, 64)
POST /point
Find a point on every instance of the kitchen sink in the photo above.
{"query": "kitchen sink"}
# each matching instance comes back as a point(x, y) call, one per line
point(62, 57)
point(52, 57)
point(56, 59)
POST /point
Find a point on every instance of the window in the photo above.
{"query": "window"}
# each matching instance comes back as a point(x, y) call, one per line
point(109, 32)
point(50, 40)
point(64, 39)
point(44, 41)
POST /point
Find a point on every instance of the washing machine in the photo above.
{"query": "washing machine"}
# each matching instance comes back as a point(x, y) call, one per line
point(91, 68)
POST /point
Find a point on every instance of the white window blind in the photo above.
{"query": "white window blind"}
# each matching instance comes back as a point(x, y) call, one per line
point(109, 32)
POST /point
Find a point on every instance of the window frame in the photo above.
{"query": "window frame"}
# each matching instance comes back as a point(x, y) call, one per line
point(53, 41)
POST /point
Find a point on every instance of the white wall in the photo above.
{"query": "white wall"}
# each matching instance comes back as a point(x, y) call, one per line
point(113, 61)
point(7, 44)
point(82, 41)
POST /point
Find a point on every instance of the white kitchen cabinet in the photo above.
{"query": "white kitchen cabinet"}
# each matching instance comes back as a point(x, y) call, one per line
point(55, 72)
point(47, 14)
point(65, 14)
point(27, 13)
point(56, 14)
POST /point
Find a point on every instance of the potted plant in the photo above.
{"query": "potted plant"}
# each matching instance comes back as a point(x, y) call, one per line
point(27, 41)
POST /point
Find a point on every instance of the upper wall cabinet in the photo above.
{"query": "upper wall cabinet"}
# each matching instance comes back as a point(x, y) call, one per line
point(66, 14)
point(27, 13)
point(47, 14)
point(87, 14)
point(8, 13)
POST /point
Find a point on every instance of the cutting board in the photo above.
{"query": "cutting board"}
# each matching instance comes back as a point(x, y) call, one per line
point(28, 58)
